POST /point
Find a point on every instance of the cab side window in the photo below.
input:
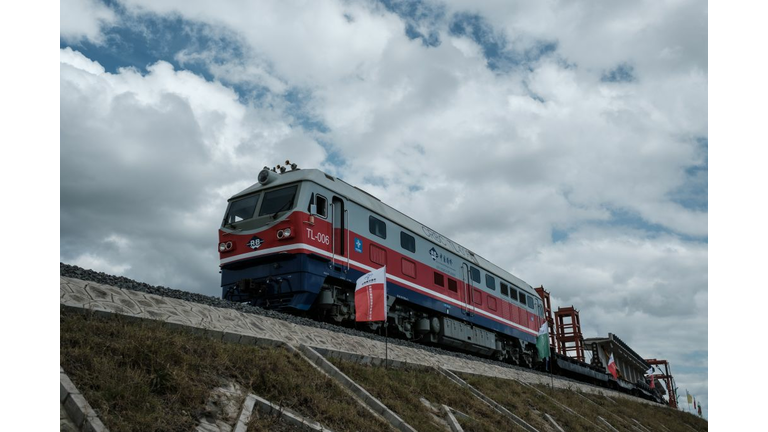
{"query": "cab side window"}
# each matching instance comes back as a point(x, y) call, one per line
point(322, 206)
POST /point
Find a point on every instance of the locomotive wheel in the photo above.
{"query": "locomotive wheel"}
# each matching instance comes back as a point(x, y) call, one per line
point(526, 358)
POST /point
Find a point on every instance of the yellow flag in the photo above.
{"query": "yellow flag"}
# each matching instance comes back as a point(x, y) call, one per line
point(689, 396)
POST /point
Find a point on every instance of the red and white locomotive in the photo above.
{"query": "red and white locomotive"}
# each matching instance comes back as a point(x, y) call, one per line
point(299, 238)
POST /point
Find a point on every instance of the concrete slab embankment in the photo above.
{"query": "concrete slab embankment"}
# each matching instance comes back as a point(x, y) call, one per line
point(235, 326)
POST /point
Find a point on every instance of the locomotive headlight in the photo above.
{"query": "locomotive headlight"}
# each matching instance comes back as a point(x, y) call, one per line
point(229, 245)
point(222, 247)
point(283, 233)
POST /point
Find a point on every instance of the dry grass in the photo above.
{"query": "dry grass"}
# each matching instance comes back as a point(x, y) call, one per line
point(651, 416)
point(401, 390)
point(528, 404)
point(621, 411)
point(141, 376)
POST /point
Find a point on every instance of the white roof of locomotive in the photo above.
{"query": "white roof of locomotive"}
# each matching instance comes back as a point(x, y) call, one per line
point(375, 205)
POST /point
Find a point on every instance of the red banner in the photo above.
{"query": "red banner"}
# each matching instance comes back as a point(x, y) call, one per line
point(371, 296)
point(612, 368)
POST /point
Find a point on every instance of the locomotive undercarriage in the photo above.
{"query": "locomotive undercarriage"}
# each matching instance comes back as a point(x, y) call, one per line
point(335, 303)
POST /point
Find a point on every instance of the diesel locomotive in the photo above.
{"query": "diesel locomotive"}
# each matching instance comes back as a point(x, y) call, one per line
point(298, 240)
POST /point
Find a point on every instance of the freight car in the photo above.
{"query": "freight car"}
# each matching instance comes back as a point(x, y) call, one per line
point(299, 238)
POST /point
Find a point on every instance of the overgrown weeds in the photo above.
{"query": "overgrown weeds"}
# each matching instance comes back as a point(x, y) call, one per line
point(401, 389)
point(141, 376)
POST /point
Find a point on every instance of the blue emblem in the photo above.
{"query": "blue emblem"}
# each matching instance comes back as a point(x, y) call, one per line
point(358, 245)
point(255, 242)
point(433, 254)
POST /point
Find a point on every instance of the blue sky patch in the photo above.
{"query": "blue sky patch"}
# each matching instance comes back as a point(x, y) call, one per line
point(694, 193)
point(421, 19)
point(298, 100)
point(625, 218)
point(559, 235)
point(621, 73)
point(496, 50)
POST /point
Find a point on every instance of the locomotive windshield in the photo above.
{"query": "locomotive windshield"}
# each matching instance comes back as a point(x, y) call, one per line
point(241, 209)
point(260, 209)
point(278, 200)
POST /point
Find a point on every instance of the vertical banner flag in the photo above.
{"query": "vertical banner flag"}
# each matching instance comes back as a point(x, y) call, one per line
point(612, 367)
point(699, 410)
point(371, 296)
point(650, 372)
point(688, 395)
point(542, 341)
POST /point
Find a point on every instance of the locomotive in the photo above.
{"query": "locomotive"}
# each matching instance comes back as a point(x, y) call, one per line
point(298, 240)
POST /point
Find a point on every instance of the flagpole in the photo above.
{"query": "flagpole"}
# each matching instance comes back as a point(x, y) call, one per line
point(551, 377)
point(386, 345)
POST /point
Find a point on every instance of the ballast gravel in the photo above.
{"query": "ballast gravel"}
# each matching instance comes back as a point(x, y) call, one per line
point(125, 283)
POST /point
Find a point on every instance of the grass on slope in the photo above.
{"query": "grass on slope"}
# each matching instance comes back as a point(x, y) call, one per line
point(401, 389)
point(653, 417)
point(141, 376)
point(527, 403)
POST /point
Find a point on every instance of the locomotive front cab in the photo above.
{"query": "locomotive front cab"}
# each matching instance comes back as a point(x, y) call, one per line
point(281, 239)
point(258, 224)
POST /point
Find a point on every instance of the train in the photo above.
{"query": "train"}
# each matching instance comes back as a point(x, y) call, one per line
point(298, 240)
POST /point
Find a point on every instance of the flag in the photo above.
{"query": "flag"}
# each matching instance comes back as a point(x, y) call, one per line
point(371, 296)
point(649, 371)
point(699, 410)
point(694, 403)
point(652, 385)
point(688, 395)
point(612, 367)
point(542, 341)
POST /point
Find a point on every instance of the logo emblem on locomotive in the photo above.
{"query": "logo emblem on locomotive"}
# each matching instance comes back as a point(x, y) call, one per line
point(255, 242)
point(433, 254)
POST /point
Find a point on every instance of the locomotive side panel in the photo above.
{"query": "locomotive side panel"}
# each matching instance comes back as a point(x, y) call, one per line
point(330, 247)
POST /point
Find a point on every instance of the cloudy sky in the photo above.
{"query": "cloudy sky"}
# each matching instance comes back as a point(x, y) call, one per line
point(565, 141)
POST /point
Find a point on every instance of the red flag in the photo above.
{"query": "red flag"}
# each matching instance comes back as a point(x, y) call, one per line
point(652, 385)
point(371, 296)
point(612, 367)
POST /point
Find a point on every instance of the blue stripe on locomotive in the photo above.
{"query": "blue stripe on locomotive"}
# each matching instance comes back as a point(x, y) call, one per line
point(302, 277)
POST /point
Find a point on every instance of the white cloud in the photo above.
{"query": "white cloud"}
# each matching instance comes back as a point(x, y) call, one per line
point(83, 20)
point(153, 158)
point(98, 263)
